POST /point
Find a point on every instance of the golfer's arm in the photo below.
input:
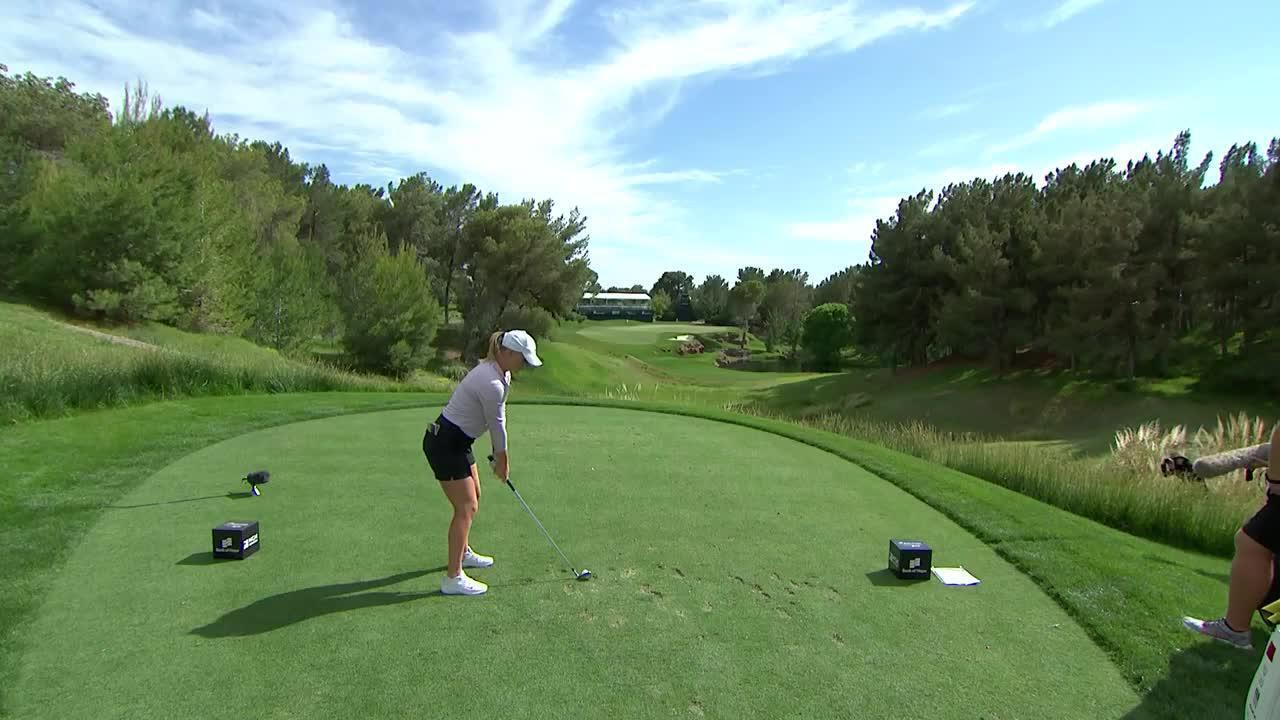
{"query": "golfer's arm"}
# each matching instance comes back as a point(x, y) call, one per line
point(495, 415)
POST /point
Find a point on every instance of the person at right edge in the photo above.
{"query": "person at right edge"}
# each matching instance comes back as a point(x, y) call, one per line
point(1257, 544)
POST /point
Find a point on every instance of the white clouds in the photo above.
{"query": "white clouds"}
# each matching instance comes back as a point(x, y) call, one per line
point(939, 112)
point(1089, 116)
point(1068, 9)
point(1084, 117)
point(677, 176)
point(483, 106)
point(853, 228)
point(205, 20)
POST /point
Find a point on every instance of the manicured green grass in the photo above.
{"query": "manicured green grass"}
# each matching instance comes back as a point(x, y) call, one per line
point(1127, 593)
point(48, 369)
point(60, 474)
point(611, 359)
point(641, 333)
point(737, 573)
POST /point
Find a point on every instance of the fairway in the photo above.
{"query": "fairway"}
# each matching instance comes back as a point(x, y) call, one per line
point(643, 333)
point(737, 574)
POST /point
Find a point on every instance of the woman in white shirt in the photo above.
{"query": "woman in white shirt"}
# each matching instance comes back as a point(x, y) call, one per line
point(478, 405)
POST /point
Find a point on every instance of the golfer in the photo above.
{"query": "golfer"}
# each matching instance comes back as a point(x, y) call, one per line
point(1257, 544)
point(478, 405)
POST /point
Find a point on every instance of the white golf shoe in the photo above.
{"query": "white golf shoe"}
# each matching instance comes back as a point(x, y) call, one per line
point(462, 585)
point(472, 559)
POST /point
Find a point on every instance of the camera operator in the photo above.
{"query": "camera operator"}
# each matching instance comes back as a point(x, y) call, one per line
point(1257, 545)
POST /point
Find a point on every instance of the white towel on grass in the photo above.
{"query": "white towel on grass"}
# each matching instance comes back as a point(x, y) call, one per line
point(955, 576)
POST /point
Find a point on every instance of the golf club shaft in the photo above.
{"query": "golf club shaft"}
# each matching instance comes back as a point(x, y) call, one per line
point(525, 505)
point(544, 530)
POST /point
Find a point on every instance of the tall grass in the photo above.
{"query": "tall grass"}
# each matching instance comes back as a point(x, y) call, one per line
point(677, 393)
point(1177, 512)
point(47, 370)
point(1139, 450)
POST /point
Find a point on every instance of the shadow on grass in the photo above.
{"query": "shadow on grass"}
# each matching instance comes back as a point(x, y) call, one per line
point(277, 611)
point(884, 577)
point(231, 495)
point(1222, 577)
point(205, 557)
point(1206, 680)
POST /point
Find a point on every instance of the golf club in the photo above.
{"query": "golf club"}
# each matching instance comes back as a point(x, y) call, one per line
point(585, 574)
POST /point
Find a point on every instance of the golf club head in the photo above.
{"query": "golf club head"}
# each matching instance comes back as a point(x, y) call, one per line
point(584, 575)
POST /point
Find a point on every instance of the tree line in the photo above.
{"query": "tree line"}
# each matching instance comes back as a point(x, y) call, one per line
point(1144, 269)
point(149, 215)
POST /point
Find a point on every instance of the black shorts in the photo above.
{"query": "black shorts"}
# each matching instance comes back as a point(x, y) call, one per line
point(448, 450)
point(1264, 526)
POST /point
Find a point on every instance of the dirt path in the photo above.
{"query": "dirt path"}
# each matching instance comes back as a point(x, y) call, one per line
point(117, 339)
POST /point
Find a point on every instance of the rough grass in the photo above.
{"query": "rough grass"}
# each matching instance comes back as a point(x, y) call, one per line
point(49, 370)
point(1027, 405)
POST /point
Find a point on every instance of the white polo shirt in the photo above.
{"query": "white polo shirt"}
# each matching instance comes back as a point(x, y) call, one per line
point(479, 403)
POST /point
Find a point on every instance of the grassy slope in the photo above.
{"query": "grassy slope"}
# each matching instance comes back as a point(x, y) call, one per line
point(48, 369)
point(1125, 591)
point(1022, 406)
point(637, 361)
point(764, 597)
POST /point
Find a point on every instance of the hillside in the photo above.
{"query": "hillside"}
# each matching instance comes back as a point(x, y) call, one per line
point(51, 365)
point(640, 361)
point(591, 358)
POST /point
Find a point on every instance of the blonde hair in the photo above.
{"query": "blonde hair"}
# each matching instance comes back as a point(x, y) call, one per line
point(495, 342)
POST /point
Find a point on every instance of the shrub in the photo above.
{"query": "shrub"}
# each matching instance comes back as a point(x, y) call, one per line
point(826, 333)
point(455, 371)
point(535, 321)
point(691, 347)
point(391, 314)
point(291, 308)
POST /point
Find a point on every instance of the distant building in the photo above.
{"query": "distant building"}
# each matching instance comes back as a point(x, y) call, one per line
point(616, 306)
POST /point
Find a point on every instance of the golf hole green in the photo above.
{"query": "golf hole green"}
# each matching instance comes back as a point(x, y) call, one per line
point(735, 574)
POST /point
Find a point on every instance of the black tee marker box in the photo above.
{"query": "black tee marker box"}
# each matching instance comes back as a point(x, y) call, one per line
point(910, 559)
point(236, 539)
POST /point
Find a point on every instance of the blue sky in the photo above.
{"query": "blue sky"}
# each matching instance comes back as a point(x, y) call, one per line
point(699, 135)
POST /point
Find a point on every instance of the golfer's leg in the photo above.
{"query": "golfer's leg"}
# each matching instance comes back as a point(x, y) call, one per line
point(462, 496)
point(1250, 580)
point(475, 478)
